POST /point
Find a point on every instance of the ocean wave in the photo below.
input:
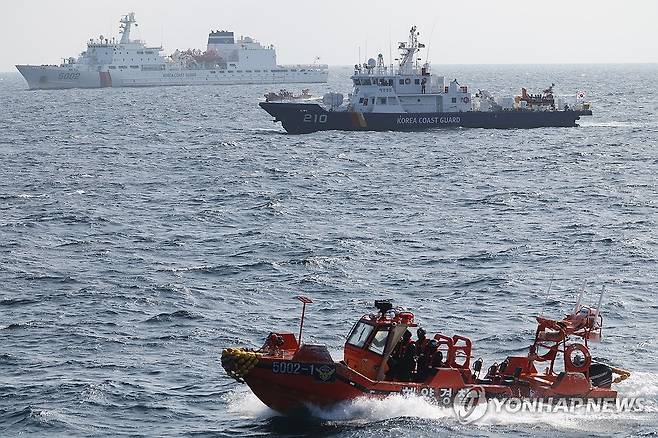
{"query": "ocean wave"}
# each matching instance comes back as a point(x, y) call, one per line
point(181, 315)
point(220, 270)
point(16, 302)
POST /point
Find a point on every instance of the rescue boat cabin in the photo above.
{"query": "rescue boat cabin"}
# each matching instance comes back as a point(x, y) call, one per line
point(373, 339)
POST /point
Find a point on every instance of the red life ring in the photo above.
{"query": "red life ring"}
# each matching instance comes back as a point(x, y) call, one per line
point(568, 360)
point(407, 81)
point(465, 99)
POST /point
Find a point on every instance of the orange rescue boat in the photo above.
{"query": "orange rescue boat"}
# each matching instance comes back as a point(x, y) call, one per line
point(288, 375)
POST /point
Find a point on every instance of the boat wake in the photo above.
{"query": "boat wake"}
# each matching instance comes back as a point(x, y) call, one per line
point(394, 406)
point(640, 384)
point(365, 410)
point(242, 403)
point(397, 407)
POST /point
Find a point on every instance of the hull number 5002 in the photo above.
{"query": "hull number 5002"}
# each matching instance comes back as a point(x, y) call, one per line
point(322, 372)
point(286, 367)
point(68, 76)
point(315, 118)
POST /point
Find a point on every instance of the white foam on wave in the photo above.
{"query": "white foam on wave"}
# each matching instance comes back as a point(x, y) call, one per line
point(394, 406)
point(640, 384)
point(568, 422)
point(614, 124)
point(365, 410)
point(54, 417)
point(244, 404)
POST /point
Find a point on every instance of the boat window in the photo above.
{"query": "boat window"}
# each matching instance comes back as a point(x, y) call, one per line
point(357, 82)
point(417, 81)
point(379, 341)
point(360, 334)
point(401, 81)
point(382, 101)
point(454, 100)
point(365, 81)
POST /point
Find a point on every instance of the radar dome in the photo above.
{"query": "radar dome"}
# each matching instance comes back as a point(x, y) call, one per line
point(372, 62)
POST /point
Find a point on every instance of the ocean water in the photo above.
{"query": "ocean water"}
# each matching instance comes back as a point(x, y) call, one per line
point(142, 231)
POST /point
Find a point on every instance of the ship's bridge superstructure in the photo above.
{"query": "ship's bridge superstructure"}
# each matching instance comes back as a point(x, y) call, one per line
point(246, 51)
point(407, 87)
point(222, 52)
point(125, 54)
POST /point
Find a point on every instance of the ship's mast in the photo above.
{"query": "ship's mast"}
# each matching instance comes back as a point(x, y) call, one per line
point(126, 22)
point(408, 51)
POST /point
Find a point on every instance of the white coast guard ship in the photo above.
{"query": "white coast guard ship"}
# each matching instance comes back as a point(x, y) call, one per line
point(409, 97)
point(131, 63)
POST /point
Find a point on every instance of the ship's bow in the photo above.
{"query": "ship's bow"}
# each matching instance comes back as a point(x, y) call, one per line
point(297, 118)
point(52, 77)
point(31, 74)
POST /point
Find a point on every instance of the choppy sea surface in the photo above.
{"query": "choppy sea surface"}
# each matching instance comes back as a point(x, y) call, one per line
point(142, 231)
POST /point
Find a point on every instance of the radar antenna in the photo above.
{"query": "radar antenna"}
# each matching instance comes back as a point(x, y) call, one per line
point(124, 29)
point(408, 51)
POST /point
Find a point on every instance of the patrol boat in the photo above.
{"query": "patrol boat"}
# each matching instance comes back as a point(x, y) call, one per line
point(290, 376)
point(131, 63)
point(409, 97)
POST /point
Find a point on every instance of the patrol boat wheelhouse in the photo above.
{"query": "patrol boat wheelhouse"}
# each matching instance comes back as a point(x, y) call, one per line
point(131, 63)
point(410, 97)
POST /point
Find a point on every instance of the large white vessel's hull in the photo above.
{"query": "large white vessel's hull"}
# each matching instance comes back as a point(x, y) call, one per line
point(59, 77)
point(49, 77)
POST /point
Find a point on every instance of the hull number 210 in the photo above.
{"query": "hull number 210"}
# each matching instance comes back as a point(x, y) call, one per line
point(315, 118)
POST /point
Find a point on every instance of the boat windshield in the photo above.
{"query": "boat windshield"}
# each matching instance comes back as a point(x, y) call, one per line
point(379, 341)
point(360, 334)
